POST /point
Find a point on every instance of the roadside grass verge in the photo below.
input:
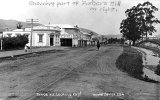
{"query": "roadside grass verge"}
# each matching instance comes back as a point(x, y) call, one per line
point(130, 61)
point(157, 51)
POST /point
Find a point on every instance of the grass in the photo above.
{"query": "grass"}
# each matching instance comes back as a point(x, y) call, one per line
point(155, 41)
point(156, 51)
point(130, 61)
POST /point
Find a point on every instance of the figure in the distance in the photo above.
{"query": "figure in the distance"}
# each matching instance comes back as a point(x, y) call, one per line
point(98, 45)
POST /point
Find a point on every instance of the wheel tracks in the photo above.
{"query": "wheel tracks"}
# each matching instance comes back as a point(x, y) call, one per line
point(45, 87)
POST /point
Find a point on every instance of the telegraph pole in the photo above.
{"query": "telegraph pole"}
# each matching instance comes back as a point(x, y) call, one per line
point(2, 42)
point(31, 21)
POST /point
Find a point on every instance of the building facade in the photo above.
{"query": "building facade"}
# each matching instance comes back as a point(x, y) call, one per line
point(54, 35)
point(73, 36)
point(69, 35)
point(86, 39)
point(41, 35)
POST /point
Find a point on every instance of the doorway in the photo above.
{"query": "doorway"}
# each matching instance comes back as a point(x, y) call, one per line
point(66, 42)
point(51, 40)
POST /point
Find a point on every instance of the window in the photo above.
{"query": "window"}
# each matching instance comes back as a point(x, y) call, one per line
point(56, 37)
point(40, 38)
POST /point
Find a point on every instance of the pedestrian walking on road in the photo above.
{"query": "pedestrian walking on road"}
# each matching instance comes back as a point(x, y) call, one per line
point(98, 45)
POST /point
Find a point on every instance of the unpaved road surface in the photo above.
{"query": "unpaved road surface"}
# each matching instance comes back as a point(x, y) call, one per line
point(77, 74)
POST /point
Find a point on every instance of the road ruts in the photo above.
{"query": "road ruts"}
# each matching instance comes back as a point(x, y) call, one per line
point(90, 63)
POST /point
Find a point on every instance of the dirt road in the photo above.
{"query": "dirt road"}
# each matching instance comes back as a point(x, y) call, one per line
point(82, 72)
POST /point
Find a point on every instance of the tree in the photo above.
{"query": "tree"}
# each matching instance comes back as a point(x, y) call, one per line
point(147, 18)
point(19, 25)
point(139, 21)
point(130, 26)
point(11, 43)
point(103, 38)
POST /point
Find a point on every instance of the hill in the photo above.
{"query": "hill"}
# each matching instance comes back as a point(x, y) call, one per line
point(11, 24)
point(114, 36)
point(158, 35)
point(88, 31)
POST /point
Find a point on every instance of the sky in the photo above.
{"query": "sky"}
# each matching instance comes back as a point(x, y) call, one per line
point(74, 12)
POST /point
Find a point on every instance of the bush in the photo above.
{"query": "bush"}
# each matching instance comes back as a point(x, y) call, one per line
point(130, 62)
point(12, 43)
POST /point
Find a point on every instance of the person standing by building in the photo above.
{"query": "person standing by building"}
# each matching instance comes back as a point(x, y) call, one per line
point(98, 45)
point(26, 48)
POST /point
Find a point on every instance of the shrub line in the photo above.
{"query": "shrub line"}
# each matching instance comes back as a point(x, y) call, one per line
point(130, 61)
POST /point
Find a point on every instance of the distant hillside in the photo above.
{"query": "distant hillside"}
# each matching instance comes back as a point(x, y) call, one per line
point(11, 24)
point(88, 31)
point(114, 36)
point(157, 35)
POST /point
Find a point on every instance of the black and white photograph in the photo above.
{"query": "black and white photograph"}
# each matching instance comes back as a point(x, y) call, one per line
point(80, 50)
